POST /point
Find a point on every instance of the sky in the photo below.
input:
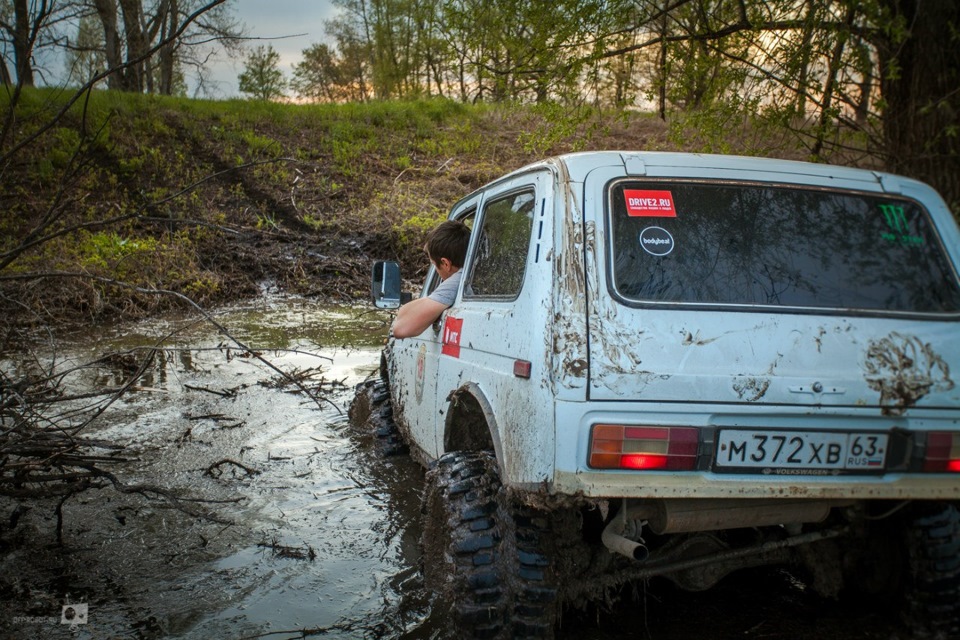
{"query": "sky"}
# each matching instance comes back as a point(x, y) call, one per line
point(300, 20)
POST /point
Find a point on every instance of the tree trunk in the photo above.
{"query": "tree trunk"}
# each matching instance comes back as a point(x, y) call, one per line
point(919, 79)
point(22, 43)
point(826, 107)
point(167, 57)
point(107, 11)
point(136, 45)
point(862, 111)
point(662, 66)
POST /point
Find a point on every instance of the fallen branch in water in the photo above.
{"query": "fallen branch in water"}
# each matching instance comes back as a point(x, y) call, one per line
point(180, 503)
point(301, 378)
point(209, 416)
point(43, 455)
point(42, 452)
point(226, 393)
point(216, 467)
point(283, 551)
point(308, 633)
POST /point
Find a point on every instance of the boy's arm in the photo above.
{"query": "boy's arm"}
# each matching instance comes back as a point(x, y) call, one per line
point(413, 317)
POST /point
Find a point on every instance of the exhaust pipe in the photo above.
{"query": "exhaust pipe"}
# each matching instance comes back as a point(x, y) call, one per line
point(613, 538)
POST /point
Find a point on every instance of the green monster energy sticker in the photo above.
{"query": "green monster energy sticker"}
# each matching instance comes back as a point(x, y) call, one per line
point(896, 219)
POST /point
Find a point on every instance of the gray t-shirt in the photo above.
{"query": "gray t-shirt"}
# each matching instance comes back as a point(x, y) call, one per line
point(446, 291)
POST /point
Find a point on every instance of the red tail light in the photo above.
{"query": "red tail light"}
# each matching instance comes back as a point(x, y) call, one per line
point(943, 452)
point(614, 446)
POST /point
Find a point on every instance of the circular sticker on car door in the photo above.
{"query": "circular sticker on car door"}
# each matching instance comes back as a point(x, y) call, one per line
point(656, 241)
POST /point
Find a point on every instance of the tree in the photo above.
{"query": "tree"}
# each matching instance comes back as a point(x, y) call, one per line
point(145, 46)
point(919, 61)
point(387, 28)
point(24, 37)
point(214, 29)
point(354, 56)
point(85, 59)
point(28, 29)
point(318, 76)
point(261, 78)
point(884, 70)
point(816, 60)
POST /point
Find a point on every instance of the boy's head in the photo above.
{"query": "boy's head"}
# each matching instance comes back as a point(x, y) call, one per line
point(448, 240)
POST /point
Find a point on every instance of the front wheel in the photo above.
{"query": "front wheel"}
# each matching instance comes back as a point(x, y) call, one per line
point(483, 554)
point(372, 411)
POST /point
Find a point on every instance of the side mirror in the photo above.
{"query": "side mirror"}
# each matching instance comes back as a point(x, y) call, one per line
point(386, 285)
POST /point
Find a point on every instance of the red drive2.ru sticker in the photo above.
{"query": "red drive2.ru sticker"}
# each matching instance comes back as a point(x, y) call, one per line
point(642, 203)
point(452, 328)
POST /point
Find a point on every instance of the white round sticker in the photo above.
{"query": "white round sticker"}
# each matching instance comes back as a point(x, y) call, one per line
point(656, 241)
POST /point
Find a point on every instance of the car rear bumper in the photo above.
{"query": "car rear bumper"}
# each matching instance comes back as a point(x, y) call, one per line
point(604, 484)
point(575, 421)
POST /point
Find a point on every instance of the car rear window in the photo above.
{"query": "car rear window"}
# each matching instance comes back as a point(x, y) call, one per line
point(747, 244)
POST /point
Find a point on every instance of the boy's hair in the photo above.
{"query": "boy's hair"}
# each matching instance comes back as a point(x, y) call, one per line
point(448, 240)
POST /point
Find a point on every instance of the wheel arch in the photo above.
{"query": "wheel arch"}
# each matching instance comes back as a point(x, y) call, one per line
point(470, 423)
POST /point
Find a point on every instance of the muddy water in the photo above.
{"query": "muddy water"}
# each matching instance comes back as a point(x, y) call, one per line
point(314, 532)
point(302, 530)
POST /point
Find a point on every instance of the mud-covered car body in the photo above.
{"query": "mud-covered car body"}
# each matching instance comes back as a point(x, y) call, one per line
point(561, 338)
point(697, 342)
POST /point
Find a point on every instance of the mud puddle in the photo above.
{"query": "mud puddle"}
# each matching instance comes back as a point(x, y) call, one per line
point(301, 528)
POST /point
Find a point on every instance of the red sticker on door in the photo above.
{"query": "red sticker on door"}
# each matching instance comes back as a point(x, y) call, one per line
point(451, 336)
point(649, 204)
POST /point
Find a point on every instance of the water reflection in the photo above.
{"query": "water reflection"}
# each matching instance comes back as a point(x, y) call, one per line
point(295, 476)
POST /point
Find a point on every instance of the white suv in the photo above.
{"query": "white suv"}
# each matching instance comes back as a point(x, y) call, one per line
point(666, 364)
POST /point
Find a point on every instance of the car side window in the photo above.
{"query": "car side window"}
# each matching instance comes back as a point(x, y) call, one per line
point(500, 251)
point(433, 280)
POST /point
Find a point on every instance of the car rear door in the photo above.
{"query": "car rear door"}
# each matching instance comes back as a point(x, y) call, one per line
point(777, 290)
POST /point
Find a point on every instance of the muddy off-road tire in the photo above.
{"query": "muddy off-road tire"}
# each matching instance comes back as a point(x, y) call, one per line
point(933, 589)
point(371, 409)
point(483, 557)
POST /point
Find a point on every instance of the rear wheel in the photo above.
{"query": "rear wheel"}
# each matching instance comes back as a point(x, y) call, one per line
point(933, 587)
point(483, 555)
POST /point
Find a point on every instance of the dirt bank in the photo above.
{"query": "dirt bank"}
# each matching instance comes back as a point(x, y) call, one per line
point(217, 200)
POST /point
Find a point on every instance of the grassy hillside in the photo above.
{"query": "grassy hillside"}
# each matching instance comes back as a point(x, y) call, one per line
point(211, 199)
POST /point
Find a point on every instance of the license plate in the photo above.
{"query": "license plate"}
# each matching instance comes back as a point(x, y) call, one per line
point(790, 451)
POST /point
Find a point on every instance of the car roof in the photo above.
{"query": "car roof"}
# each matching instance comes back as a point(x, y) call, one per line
point(574, 167)
point(706, 165)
